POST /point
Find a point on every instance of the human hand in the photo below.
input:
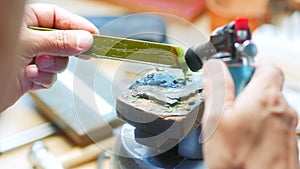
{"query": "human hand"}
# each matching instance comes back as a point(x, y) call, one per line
point(43, 54)
point(255, 129)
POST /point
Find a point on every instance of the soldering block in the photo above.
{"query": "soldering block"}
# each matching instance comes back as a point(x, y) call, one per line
point(163, 111)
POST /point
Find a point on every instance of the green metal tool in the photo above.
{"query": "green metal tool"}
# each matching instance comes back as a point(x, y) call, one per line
point(107, 47)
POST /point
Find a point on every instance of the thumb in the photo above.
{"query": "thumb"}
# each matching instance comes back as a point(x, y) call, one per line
point(219, 94)
point(61, 42)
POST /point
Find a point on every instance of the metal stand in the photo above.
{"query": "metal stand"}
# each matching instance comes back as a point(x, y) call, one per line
point(132, 155)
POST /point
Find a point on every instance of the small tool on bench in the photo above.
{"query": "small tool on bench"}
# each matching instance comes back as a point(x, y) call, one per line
point(40, 157)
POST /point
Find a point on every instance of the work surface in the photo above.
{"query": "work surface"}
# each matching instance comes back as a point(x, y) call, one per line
point(23, 115)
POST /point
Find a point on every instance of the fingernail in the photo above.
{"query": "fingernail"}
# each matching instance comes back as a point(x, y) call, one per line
point(84, 41)
point(45, 62)
point(32, 71)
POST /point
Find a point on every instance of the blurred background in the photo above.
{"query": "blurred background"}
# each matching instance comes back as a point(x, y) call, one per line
point(275, 27)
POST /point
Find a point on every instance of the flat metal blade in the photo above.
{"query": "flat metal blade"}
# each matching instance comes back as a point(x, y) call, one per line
point(131, 50)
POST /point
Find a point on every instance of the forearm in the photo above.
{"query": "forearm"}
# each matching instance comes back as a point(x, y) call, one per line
point(10, 15)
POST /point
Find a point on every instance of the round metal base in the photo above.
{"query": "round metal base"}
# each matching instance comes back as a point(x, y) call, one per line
point(130, 154)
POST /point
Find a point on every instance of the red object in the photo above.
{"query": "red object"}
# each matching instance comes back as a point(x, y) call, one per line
point(241, 30)
point(187, 9)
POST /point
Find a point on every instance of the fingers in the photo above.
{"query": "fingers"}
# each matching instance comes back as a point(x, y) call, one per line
point(264, 90)
point(219, 95)
point(51, 64)
point(51, 16)
point(42, 74)
point(74, 40)
point(218, 83)
point(267, 76)
point(40, 78)
point(295, 118)
point(292, 120)
point(59, 43)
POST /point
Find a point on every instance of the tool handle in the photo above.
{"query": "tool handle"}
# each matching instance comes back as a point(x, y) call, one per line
point(241, 76)
point(41, 158)
point(91, 152)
